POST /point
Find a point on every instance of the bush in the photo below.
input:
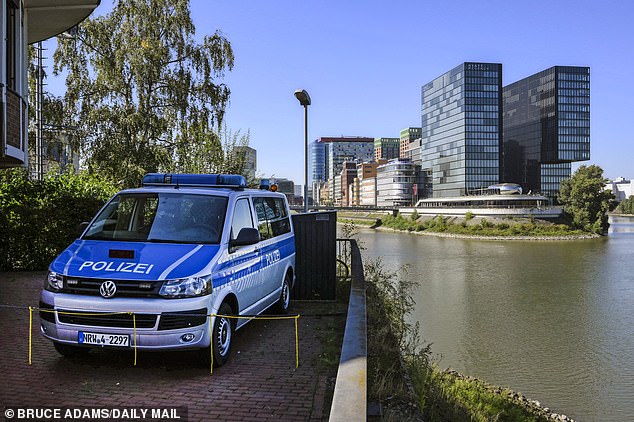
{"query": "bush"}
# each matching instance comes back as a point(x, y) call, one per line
point(38, 218)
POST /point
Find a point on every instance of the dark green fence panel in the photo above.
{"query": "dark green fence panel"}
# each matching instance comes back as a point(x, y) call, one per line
point(315, 255)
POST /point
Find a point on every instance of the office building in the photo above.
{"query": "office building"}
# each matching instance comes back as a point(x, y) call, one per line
point(621, 188)
point(462, 129)
point(249, 156)
point(316, 170)
point(386, 148)
point(409, 146)
point(397, 183)
point(546, 127)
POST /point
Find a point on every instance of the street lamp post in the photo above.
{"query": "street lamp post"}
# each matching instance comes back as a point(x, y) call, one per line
point(304, 99)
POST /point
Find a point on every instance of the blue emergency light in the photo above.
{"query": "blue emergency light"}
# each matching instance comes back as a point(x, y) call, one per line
point(234, 181)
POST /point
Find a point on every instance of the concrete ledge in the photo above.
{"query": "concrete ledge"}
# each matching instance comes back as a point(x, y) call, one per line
point(349, 401)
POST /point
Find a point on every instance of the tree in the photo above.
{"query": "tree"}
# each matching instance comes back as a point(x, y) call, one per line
point(142, 93)
point(626, 206)
point(584, 199)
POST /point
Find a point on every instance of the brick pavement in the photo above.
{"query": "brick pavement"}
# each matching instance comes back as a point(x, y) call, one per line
point(260, 381)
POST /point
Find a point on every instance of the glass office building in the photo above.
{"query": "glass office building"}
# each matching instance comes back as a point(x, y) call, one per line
point(316, 169)
point(546, 127)
point(462, 129)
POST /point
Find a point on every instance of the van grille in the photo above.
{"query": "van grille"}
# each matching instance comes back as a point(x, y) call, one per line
point(125, 288)
point(106, 320)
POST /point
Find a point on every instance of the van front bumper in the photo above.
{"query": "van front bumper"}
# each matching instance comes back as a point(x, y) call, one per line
point(161, 324)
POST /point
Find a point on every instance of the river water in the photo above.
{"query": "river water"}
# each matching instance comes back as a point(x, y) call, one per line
point(551, 319)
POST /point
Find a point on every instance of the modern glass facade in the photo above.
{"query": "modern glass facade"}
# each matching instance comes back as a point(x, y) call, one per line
point(397, 183)
point(546, 127)
point(316, 169)
point(462, 129)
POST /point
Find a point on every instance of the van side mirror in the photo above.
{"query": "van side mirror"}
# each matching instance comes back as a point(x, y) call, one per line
point(247, 236)
point(81, 227)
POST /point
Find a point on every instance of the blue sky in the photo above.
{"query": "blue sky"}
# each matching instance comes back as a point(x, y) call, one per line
point(364, 62)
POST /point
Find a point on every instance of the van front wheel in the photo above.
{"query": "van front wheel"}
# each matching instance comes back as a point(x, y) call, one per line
point(222, 335)
point(285, 296)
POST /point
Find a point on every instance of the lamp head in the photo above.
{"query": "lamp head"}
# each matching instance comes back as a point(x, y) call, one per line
point(303, 97)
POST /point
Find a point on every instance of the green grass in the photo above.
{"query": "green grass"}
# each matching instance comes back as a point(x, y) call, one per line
point(440, 224)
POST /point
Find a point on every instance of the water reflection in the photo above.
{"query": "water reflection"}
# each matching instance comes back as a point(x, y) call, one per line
point(551, 319)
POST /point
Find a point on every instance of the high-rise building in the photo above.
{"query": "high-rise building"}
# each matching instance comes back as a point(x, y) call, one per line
point(316, 169)
point(326, 157)
point(250, 161)
point(386, 148)
point(546, 127)
point(410, 141)
point(462, 129)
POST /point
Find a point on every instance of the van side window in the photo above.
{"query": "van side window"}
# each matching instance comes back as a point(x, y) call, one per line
point(241, 217)
point(273, 219)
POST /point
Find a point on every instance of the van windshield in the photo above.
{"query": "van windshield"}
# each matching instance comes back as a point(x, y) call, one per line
point(161, 217)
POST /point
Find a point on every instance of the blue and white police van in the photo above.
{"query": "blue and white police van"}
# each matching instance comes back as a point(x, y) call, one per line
point(180, 248)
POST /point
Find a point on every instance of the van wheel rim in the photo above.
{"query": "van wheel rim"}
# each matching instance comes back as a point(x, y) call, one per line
point(224, 336)
point(286, 296)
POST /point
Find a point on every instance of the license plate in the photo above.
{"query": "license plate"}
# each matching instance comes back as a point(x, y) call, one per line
point(101, 339)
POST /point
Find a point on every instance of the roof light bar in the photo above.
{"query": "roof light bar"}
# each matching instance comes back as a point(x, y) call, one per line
point(234, 181)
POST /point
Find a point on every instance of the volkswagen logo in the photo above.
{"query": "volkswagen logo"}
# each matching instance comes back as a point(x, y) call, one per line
point(108, 289)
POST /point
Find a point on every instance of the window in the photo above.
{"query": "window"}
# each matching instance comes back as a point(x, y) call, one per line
point(161, 217)
point(12, 11)
point(273, 219)
point(241, 217)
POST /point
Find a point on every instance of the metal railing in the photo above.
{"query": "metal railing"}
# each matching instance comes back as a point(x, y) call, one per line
point(344, 257)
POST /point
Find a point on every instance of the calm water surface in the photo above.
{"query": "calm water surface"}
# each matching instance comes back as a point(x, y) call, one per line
point(552, 319)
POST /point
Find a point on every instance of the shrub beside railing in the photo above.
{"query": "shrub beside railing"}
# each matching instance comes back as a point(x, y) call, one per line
point(38, 218)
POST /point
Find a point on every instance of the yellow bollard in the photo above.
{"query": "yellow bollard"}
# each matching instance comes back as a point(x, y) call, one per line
point(30, 333)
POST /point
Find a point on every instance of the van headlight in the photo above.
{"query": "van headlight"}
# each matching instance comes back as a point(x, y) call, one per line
point(186, 287)
point(54, 282)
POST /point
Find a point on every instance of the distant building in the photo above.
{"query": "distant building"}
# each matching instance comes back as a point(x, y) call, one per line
point(386, 148)
point(348, 174)
point(326, 158)
point(250, 161)
point(410, 142)
point(397, 183)
point(316, 169)
point(365, 184)
point(462, 129)
point(621, 188)
point(546, 127)
point(26, 22)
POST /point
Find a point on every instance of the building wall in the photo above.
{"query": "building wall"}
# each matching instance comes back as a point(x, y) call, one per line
point(462, 128)
point(395, 184)
point(410, 141)
point(621, 188)
point(13, 80)
point(546, 127)
point(368, 192)
point(386, 148)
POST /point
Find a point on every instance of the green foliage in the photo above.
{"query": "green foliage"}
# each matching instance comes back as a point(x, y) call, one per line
point(585, 201)
point(38, 219)
point(142, 92)
point(626, 206)
point(414, 215)
point(468, 215)
point(486, 228)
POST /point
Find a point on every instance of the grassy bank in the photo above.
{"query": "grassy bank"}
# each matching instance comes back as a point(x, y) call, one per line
point(469, 226)
point(404, 377)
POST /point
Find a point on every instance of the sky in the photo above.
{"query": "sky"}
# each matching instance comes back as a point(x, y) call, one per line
point(364, 62)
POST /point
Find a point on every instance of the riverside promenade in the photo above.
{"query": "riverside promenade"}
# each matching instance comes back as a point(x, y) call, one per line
point(260, 381)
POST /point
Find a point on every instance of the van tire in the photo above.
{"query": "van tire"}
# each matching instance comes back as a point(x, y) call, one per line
point(69, 350)
point(284, 301)
point(222, 336)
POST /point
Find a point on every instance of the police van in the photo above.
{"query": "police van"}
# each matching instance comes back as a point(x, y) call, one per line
point(180, 248)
